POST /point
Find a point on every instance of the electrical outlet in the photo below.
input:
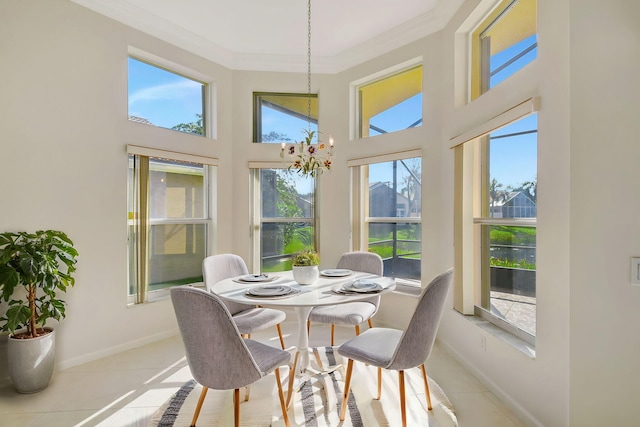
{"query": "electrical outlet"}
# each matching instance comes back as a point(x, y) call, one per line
point(635, 271)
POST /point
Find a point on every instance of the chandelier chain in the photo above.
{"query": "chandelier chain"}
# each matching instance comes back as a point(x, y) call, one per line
point(309, 159)
point(309, 65)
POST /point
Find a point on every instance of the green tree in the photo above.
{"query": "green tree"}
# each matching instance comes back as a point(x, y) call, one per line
point(275, 136)
point(287, 204)
point(412, 190)
point(530, 188)
point(192, 127)
point(497, 192)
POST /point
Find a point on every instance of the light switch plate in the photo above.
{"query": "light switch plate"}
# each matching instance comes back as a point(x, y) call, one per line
point(635, 271)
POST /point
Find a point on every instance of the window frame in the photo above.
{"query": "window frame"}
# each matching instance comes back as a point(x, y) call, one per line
point(360, 220)
point(257, 113)
point(355, 128)
point(479, 73)
point(209, 91)
point(209, 165)
point(257, 220)
point(470, 215)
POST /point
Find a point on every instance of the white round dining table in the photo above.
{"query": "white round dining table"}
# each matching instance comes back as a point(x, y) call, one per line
point(303, 300)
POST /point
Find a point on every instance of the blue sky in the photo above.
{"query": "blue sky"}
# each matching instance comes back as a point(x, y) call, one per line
point(513, 160)
point(163, 98)
point(292, 127)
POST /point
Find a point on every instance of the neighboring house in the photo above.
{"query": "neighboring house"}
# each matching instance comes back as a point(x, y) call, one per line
point(516, 205)
point(383, 203)
point(140, 120)
point(305, 204)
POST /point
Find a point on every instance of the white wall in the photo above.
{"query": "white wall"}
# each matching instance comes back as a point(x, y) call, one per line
point(535, 388)
point(62, 145)
point(605, 155)
point(585, 372)
point(63, 137)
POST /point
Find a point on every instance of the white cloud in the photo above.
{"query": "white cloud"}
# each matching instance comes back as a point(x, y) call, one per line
point(177, 90)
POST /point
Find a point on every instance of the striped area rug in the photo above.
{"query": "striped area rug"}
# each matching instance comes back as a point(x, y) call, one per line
point(317, 402)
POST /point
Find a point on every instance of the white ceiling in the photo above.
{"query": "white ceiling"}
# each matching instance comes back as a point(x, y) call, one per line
point(271, 35)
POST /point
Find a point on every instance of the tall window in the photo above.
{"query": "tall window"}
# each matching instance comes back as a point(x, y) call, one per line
point(499, 230)
point(166, 99)
point(507, 224)
point(503, 43)
point(169, 223)
point(388, 201)
point(391, 103)
point(281, 117)
point(284, 218)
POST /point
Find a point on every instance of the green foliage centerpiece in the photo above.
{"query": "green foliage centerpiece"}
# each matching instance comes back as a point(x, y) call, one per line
point(305, 267)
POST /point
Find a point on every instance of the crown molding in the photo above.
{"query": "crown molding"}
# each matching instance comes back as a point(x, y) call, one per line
point(401, 35)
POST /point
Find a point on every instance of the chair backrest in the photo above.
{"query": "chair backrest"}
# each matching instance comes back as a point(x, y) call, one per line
point(216, 353)
point(417, 340)
point(368, 262)
point(224, 266)
point(362, 261)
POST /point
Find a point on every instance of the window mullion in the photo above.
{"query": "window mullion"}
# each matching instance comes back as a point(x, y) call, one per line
point(142, 246)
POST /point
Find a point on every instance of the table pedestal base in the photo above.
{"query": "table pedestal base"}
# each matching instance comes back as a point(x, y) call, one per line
point(303, 370)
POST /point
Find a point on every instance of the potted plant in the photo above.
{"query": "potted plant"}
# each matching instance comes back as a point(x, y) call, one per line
point(305, 267)
point(33, 268)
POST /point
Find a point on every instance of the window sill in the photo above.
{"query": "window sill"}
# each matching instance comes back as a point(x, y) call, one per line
point(160, 295)
point(504, 336)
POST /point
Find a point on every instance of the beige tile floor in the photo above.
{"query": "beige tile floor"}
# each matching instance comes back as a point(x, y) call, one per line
point(127, 388)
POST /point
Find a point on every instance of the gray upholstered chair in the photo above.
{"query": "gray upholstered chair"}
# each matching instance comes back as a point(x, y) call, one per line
point(219, 358)
point(248, 318)
point(397, 350)
point(353, 313)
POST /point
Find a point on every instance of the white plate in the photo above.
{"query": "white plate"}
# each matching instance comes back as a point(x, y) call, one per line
point(270, 291)
point(362, 285)
point(336, 272)
point(255, 278)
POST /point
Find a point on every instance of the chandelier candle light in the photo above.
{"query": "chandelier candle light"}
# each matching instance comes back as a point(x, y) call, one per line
point(310, 159)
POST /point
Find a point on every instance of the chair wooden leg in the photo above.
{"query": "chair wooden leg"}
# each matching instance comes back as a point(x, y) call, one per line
point(280, 335)
point(403, 403)
point(426, 386)
point(236, 407)
point(317, 356)
point(357, 329)
point(249, 336)
point(285, 415)
point(292, 375)
point(347, 386)
point(203, 394)
point(333, 331)
point(308, 327)
point(370, 324)
point(379, 383)
point(247, 390)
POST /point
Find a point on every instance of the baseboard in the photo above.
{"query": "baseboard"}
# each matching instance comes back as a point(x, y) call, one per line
point(524, 415)
point(110, 351)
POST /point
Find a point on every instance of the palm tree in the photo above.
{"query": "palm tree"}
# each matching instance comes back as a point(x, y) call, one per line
point(496, 192)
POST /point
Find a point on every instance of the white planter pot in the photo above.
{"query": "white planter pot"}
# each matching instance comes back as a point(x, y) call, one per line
point(31, 362)
point(306, 275)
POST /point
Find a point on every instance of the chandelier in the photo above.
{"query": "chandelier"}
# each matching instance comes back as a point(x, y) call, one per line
point(305, 157)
